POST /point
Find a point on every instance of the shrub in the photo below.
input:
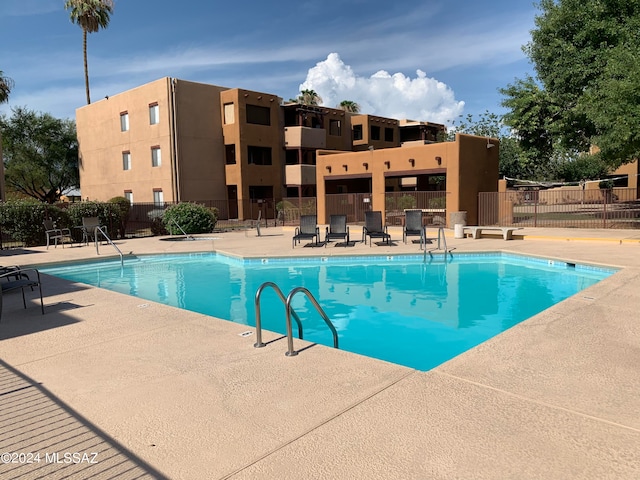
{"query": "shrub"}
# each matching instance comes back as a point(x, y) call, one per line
point(191, 217)
point(124, 207)
point(107, 213)
point(406, 202)
point(22, 220)
point(157, 226)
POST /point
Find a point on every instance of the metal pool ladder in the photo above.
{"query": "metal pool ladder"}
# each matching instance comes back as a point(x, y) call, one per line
point(290, 312)
point(442, 241)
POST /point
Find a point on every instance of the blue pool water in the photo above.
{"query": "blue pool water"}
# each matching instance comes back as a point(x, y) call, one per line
point(395, 308)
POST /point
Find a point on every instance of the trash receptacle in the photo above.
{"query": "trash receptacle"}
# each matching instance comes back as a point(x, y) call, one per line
point(458, 230)
point(456, 218)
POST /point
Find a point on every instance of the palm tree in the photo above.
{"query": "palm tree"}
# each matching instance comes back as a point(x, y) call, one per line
point(309, 97)
point(6, 84)
point(91, 16)
point(349, 106)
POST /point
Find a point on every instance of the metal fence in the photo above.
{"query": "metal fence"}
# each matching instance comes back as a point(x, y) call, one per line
point(432, 203)
point(575, 208)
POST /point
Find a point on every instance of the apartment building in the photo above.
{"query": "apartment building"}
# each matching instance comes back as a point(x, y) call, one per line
point(160, 142)
point(173, 140)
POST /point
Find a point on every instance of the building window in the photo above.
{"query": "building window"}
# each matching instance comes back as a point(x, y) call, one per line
point(258, 115)
point(124, 122)
point(158, 197)
point(126, 160)
point(128, 194)
point(375, 132)
point(357, 132)
point(335, 127)
point(261, 192)
point(259, 155)
point(230, 154)
point(154, 114)
point(156, 157)
point(388, 134)
point(229, 113)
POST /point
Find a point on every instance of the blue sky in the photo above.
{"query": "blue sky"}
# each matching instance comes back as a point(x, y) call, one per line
point(429, 60)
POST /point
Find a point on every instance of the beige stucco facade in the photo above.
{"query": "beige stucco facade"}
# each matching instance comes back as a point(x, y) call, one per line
point(186, 135)
point(469, 163)
point(172, 140)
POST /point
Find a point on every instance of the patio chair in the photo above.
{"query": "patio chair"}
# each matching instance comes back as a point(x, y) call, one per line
point(19, 279)
point(337, 229)
point(413, 226)
point(89, 225)
point(373, 227)
point(308, 229)
point(54, 233)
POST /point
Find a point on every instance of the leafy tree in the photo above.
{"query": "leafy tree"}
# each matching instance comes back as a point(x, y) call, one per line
point(6, 84)
point(91, 16)
point(40, 154)
point(308, 97)
point(349, 106)
point(587, 88)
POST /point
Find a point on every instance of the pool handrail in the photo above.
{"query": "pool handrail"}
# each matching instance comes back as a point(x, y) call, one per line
point(291, 352)
point(104, 234)
point(187, 236)
point(259, 343)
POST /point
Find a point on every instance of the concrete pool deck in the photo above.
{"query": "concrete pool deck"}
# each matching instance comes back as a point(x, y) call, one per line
point(158, 392)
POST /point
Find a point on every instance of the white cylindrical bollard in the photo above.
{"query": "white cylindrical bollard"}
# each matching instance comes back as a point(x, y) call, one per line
point(458, 230)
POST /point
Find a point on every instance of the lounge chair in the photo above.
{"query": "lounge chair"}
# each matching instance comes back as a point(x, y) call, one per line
point(308, 229)
point(373, 227)
point(337, 229)
point(413, 226)
point(54, 233)
point(89, 225)
point(20, 278)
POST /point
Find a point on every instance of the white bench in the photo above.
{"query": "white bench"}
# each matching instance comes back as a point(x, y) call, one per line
point(476, 232)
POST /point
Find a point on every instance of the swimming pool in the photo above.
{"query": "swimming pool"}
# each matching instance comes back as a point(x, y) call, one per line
point(396, 308)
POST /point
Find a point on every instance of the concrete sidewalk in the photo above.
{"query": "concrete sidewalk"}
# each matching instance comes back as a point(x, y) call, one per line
point(159, 392)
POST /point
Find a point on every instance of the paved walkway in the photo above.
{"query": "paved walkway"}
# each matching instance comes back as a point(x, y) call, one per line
point(157, 392)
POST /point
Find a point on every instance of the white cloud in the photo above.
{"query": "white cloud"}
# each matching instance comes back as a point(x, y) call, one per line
point(389, 95)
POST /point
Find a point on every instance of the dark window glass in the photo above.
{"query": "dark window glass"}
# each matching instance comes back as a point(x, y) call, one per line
point(258, 115)
point(230, 154)
point(259, 155)
point(388, 134)
point(375, 132)
point(357, 132)
point(335, 127)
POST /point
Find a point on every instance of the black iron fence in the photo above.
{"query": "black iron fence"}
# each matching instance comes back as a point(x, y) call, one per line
point(569, 208)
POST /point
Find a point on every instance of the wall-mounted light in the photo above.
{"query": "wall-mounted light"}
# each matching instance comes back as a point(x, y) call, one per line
point(366, 166)
point(346, 167)
point(329, 168)
point(439, 160)
point(412, 161)
point(388, 164)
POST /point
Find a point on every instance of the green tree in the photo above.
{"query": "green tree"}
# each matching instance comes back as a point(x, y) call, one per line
point(91, 16)
point(40, 154)
point(349, 106)
point(6, 84)
point(587, 89)
point(308, 97)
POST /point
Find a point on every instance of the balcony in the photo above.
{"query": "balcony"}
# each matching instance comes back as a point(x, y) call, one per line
point(300, 175)
point(305, 137)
